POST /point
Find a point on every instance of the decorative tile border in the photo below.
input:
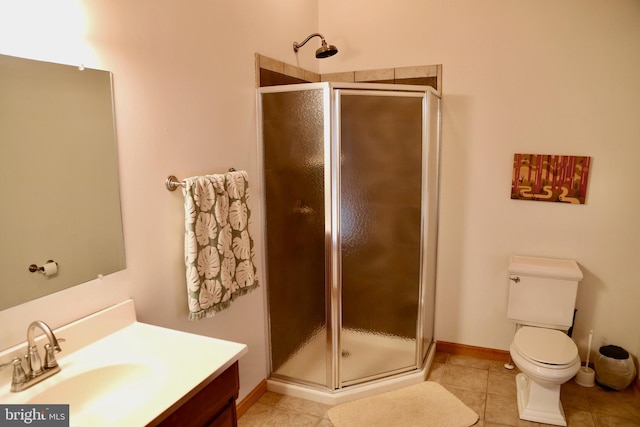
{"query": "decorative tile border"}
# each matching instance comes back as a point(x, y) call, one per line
point(411, 75)
point(266, 63)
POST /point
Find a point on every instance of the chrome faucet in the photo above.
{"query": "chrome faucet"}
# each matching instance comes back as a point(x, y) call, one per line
point(36, 371)
point(34, 364)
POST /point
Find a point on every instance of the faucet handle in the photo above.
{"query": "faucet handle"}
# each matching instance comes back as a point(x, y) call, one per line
point(49, 358)
point(56, 345)
point(19, 375)
point(4, 365)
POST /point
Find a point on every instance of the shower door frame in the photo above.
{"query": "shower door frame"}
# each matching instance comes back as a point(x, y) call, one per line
point(337, 90)
point(333, 279)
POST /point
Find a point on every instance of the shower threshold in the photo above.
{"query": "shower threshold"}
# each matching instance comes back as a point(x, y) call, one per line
point(386, 353)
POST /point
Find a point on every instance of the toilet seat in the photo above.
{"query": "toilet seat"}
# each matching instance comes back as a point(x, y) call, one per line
point(547, 348)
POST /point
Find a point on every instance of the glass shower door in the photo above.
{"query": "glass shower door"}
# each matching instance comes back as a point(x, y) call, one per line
point(350, 209)
point(295, 142)
point(380, 141)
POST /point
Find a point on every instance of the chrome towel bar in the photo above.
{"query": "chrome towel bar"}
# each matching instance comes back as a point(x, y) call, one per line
point(172, 183)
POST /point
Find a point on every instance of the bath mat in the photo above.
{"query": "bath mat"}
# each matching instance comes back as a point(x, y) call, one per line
point(427, 404)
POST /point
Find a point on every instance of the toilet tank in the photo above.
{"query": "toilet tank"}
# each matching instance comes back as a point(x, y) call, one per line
point(542, 291)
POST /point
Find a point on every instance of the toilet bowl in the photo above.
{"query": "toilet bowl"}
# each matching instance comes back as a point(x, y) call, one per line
point(547, 358)
point(542, 298)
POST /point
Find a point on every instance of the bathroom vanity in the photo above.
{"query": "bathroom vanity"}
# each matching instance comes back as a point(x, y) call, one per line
point(213, 404)
point(118, 371)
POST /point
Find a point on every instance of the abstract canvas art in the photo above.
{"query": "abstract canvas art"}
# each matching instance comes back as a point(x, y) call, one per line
point(550, 178)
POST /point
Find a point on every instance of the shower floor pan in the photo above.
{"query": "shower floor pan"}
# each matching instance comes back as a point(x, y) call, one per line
point(362, 354)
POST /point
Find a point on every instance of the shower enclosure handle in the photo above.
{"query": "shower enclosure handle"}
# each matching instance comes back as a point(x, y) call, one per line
point(302, 208)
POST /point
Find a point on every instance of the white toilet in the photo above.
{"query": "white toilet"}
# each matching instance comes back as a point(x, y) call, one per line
point(542, 297)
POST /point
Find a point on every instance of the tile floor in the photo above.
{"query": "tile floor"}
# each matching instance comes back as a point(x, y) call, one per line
point(484, 385)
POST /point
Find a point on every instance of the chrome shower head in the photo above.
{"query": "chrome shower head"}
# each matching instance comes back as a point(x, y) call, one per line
point(323, 51)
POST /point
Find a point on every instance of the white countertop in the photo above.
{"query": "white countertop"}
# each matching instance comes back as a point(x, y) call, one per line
point(118, 371)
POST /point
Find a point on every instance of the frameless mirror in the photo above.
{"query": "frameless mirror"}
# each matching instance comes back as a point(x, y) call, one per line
point(59, 188)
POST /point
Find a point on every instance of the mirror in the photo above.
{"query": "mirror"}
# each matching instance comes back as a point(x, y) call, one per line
point(58, 177)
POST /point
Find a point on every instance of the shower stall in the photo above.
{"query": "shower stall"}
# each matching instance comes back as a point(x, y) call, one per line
point(350, 177)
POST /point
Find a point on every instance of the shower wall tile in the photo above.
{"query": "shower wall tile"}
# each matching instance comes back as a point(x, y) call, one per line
point(348, 77)
point(420, 71)
point(311, 77)
point(385, 74)
point(272, 78)
point(271, 64)
point(427, 75)
point(420, 81)
point(293, 71)
point(289, 74)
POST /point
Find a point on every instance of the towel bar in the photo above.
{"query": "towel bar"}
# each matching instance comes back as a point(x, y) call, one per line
point(172, 183)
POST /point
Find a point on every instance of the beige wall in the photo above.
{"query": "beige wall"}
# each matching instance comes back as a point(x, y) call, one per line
point(185, 105)
point(542, 77)
point(528, 76)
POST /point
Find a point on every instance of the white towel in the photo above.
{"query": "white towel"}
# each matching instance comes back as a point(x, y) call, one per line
point(218, 247)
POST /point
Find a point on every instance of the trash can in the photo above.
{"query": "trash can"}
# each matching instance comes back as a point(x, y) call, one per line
point(614, 367)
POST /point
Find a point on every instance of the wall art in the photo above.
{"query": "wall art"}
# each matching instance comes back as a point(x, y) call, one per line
point(550, 178)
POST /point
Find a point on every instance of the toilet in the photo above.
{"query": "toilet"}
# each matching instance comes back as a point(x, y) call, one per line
point(542, 297)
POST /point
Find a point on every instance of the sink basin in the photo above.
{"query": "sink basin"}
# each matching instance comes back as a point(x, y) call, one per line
point(117, 371)
point(93, 394)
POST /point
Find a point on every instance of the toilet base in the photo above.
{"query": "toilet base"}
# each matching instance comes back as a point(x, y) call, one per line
point(539, 403)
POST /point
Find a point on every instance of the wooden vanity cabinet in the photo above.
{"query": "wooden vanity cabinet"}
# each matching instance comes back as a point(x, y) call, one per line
point(212, 404)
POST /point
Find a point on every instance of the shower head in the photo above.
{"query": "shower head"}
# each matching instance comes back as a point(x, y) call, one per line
point(324, 51)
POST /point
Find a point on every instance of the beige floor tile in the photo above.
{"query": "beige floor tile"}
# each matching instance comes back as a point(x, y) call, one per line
point(574, 396)
point(496, 365)
point(464, 377)
point(501, 409)
point(475, 400)
point(324, 422)
point(305, 406)
point(578, 418)
point(619, 404)
point(604, 420)
point(525, 423)
point(270, 398)
point(256, 415)
point(469, 362)
point(245, 421)
point(501, 383)
point(486, 387)
point(436, 372)
point(286, 418)
point(441, 357)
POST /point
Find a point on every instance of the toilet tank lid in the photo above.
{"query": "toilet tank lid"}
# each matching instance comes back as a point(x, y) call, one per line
point(566, 269)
